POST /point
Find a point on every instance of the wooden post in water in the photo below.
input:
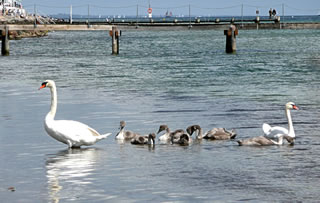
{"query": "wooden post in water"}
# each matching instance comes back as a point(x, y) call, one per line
point(115, 34)
point(231, 39)
point(5, 42)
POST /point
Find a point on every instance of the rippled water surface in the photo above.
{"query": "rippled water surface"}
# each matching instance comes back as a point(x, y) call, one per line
point(174, 78)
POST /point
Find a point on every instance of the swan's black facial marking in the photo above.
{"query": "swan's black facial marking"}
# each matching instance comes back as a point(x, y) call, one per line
point(43, 85)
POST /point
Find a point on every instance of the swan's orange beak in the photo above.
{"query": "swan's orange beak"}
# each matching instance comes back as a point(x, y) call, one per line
point(42, 86)
point(295, 107)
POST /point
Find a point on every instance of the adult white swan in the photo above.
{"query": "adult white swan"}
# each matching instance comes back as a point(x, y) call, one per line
point(72, 133)
point(277, 131)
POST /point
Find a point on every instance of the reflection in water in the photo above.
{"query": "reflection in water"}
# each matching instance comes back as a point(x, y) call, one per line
point(71, 166)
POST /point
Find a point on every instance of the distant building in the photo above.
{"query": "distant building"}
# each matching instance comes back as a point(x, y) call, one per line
point(12, 8)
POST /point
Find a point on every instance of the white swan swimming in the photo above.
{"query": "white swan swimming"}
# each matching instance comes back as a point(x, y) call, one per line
point(72, 133)
point(277, 131)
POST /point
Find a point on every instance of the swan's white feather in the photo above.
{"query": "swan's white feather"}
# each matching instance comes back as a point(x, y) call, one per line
point(266, 128)
point(274, 132)
point(76, 132)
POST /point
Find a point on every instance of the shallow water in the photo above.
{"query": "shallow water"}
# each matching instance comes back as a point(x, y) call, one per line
point(174, 78)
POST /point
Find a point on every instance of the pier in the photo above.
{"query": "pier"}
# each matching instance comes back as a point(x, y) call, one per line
point(115, 28)
point(5, 29)
point(217, 26)
point(195, 23)
point(142, 17)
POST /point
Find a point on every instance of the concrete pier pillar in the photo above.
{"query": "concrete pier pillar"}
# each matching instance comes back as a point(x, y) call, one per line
point(115, 34)
point(5, 42)
point(231, 34)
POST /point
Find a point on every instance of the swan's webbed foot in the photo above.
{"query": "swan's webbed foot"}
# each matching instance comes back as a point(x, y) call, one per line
point(72, 146)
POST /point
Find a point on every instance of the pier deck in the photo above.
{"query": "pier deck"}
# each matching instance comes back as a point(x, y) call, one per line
point(83, 26)
point(56, 27)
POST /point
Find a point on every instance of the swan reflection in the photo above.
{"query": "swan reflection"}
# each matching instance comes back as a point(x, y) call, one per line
point(69, 172)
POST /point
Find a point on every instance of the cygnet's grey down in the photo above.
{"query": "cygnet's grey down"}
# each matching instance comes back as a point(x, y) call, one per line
point(265, 141)
point(168, 135)
point(125, 134)
point(214, 134)
point(144, 139)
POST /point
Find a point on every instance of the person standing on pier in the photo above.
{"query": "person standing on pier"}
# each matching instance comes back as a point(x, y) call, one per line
point(270, 13)
point(274, 12)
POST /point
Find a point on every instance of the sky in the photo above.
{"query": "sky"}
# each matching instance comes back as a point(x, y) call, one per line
point(177, 7)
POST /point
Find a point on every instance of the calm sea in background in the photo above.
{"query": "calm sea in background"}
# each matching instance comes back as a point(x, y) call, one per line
point(176, 78)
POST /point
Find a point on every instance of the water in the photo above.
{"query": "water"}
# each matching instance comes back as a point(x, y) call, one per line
point(175, 78)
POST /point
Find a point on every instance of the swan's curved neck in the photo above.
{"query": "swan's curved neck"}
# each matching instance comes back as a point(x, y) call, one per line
point(199, 136)
point(150, 140)
point(53, 108)
point(290, 125)
point(120, 135)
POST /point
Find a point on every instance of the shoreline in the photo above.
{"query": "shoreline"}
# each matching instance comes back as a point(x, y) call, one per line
point(17, 35)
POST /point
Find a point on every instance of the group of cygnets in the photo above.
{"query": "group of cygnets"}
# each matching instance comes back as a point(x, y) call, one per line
point(76, 134)
point(179, 136)
point(183, 138)
point(272, 135)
